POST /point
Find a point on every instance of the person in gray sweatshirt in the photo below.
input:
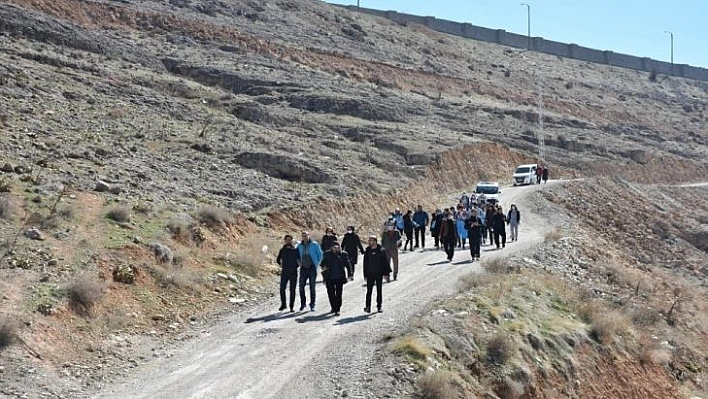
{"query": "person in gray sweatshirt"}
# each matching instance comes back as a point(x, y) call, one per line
point(513, 219)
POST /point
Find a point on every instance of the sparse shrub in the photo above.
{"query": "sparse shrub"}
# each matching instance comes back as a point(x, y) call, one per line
point(118, 112)
point(125, 274)
point(179, 229)
point(507, 388)
point(554, 235)
point(119, 214)
point(498, 266)
point(410, 346)
point(655, 356)
point(476, 280)
point(500, 349)
point(66, 212)
point(5, 185)
point(569, 85)
point(163, 254)
point(143, 208)
point(652, 76)
point(437, 385)
point(84, 293)
point(607, 325)
point(562, 141)
point(179, 279)
point(645, 317)
point(7, 333)
point(213, 217)
point(8, 209)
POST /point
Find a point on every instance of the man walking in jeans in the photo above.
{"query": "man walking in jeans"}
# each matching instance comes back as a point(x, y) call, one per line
point(420, 218)
point(288, 259)
point(310, 257)
point(376, 266)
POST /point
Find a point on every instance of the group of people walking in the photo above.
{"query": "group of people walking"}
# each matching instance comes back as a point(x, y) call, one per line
point(455, 227)
point(471, 221)
point(337, 263)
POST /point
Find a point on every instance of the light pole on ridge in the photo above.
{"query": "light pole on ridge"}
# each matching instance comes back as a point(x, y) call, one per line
point(528, 23)
point(672, 46)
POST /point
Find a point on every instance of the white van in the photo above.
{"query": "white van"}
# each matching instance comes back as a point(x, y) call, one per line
point(525, 174)
point(489, 191)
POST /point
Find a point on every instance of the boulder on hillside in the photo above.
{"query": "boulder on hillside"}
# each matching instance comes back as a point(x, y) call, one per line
point(284, 167)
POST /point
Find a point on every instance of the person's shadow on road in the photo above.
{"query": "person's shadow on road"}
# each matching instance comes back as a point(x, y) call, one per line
point(439, 263)
point(462, 262)
point(271, 317)
point(319, 317)
point(347, 320)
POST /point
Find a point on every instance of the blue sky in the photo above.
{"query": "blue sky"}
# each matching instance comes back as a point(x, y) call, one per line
point(624, 26)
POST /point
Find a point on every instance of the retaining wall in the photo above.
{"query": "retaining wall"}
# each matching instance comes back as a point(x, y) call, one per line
point(500, 36)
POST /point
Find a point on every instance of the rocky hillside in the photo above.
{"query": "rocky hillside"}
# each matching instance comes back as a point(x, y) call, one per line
point(149, 150)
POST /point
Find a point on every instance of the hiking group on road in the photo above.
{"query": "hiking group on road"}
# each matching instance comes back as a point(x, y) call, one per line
point(472, 220)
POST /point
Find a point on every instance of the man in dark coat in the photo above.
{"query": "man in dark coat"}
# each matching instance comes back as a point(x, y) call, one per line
point(421, 218)
point(489, 218)
point(499, 227)
point(337, 266)
point(539, 174)
point(376, 267)
point(289, 261)
point(474, 229)
point(328, 239)
point(448, 234)
point(545, 174)
point(435, 227)
point(351, 244)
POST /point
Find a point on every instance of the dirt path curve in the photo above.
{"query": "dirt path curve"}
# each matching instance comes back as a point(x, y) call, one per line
point(314, 354)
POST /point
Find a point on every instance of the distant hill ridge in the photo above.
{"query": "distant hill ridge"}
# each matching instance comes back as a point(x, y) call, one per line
point(574, 51)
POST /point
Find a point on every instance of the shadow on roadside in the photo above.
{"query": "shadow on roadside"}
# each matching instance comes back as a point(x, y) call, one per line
point(462, 262)
point(439, 263)
point(318, 317)
point(354, 319)
point(271, 317)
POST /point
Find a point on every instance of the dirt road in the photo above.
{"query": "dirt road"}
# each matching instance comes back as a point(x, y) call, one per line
point(266, 353)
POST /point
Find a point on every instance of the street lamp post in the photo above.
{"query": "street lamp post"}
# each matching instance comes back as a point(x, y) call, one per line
point(357, 5)
point(528, 23)
point(672, 46)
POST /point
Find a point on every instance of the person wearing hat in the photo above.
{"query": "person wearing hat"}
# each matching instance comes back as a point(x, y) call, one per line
point(351, 244)
point(376, 267)
point(390, 241)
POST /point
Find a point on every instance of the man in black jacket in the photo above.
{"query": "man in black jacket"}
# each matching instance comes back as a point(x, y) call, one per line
point(499, 227)
point(328, 239)
point(351, 244)
point(435, 227)
point(376, 266)
point(337, 265)
point(474, 230)
point(289, 261)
